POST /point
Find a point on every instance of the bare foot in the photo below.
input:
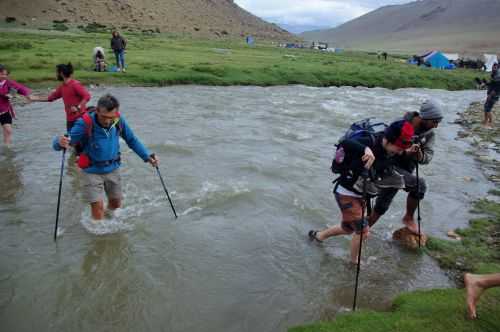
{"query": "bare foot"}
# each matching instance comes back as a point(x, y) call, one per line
point(410, 224)
point(473, 294)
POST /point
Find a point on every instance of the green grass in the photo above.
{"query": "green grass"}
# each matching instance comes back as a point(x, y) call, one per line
point(158, 60)
point(440, 310)
point(421, 311)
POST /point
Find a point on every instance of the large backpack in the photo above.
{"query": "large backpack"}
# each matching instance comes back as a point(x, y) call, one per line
point(342, 164)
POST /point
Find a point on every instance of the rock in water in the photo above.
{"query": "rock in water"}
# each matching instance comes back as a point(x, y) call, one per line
point(408, 239)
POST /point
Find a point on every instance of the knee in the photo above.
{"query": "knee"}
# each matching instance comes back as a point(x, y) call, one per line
point(7, 129)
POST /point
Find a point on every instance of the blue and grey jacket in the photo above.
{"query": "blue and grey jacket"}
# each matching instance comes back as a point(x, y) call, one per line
point(103, 147)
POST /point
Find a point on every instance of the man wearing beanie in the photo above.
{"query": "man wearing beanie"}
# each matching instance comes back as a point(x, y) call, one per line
point(359, 155)
point(421, 151)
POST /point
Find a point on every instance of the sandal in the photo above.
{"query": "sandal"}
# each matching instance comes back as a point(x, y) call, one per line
point(312, 236)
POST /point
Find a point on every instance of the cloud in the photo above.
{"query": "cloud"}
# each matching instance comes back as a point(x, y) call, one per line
point(311, 13)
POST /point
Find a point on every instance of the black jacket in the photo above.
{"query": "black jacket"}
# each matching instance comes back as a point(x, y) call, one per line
point(354, 151)
point(118, 43)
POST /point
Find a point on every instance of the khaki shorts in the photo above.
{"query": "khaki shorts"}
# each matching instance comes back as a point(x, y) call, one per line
point(94, 186)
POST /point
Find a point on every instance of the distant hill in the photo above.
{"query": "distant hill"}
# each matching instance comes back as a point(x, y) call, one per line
point(204, 18)
point(467, 26)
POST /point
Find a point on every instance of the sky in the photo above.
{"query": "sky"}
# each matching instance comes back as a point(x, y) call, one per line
point(303, 15)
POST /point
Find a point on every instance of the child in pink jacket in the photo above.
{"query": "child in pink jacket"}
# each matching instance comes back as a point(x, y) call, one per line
point(6, 110)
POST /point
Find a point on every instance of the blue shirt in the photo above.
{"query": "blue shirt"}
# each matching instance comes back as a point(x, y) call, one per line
point(104, 144)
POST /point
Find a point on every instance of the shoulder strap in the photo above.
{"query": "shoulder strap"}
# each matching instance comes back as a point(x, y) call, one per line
point(87, 119)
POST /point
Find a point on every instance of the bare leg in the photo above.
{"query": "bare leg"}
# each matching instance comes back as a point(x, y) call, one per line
point(475, 285)
point(408, 219)
point(329, 232)
point(97, 209)
point(113, 204)
point(7, 134)
point(355, 244)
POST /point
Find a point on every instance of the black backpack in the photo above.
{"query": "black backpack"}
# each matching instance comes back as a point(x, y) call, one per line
point(342, 164)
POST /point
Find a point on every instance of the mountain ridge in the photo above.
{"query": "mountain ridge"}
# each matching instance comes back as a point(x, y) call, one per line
point(204, 18)
point(455, 26)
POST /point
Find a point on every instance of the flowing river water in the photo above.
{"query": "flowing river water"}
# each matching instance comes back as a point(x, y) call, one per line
point(248, 171)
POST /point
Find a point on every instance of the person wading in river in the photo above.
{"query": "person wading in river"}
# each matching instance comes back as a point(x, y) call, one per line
point(360, 155)
point(73, 93)
point(98, 134)
point(421, 151)
point(7, 113)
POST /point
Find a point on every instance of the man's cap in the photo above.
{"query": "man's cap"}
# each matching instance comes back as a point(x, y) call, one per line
point(431, 110)
point(400, 133)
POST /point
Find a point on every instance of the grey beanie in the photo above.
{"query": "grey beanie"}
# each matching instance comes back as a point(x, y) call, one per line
point(431, 110)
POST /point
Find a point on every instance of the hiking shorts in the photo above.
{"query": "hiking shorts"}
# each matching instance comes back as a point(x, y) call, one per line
point(352, 213)
point(5, 118)
point(488, 106)
point(95, 185)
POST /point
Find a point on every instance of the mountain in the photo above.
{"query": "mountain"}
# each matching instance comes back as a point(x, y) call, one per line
point(467, 26)
point(204, 18)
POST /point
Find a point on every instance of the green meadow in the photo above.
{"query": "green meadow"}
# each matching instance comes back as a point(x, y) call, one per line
point(161, 60)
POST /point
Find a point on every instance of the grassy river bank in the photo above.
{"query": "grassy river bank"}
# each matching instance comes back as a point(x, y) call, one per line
point(160, 60)
point(477, 251)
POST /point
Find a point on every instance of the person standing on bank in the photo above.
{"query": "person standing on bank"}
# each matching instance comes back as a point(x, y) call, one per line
point(118, 45)
point(98, 133)
point(421, 151)
point(74, 95)
point(6, 110)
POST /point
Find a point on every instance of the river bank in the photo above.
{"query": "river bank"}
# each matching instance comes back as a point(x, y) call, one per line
point(475, 250)
point(162, 60)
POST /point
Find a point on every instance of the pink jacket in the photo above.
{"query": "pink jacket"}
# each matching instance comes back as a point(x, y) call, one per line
point(5, 87)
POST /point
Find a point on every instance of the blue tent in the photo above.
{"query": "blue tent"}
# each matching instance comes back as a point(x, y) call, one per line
point(436, 59)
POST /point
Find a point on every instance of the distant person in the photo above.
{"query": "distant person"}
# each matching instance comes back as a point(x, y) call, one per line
point(362, 155)
point(475, 285)
point(7, 113)
point(99, 61)
point(493, 94)
point(118, 45)
point(72, 92)
point(98, 133)
point(385, 56)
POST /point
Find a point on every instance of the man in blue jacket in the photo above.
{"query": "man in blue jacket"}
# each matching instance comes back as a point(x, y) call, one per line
point(97, 134)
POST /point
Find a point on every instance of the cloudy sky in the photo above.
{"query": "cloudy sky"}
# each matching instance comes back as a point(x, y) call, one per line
point(301, 15)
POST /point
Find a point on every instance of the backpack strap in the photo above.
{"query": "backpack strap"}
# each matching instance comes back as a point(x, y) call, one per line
point(89, 123)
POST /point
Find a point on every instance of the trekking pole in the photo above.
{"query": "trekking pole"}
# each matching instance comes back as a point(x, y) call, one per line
point(166, 191)
point(360, 246)
point(63, 159)
point(418, 208)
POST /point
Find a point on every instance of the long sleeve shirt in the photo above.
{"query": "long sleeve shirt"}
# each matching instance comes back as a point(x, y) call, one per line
point(5, 87)
point(73, 93)
point(103, 145)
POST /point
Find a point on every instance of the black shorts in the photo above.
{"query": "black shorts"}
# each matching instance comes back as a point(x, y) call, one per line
point(5, 118)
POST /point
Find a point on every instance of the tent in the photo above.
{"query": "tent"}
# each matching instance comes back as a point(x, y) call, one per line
point(451, 56)
point(489, 61)
point(436, 59)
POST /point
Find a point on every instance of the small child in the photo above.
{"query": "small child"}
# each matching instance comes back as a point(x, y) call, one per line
point(6, 110)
